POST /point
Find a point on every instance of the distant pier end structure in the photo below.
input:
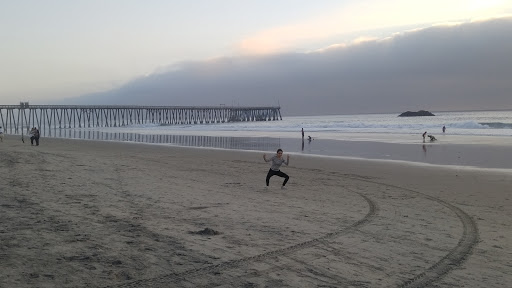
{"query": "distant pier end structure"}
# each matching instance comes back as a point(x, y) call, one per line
point(16, 117)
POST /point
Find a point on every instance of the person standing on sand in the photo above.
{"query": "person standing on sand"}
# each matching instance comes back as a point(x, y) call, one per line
point(277, 160)
point(424, 135)
point(444, 129)
point(31, 134)
point(302, 133)
point(34, 135)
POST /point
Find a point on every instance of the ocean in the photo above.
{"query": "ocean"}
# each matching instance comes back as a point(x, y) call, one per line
point(475, 138)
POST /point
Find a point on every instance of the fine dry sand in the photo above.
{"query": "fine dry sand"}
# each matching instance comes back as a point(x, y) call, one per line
point(104, 214)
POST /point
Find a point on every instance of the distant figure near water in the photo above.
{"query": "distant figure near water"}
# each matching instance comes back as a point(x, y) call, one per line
point(302, 130)
point(424, 135)
point(444, 129)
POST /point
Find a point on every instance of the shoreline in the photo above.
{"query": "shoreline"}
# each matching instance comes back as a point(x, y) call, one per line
point(483, 152)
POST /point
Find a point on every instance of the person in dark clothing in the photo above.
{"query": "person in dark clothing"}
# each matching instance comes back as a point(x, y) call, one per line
point(37, 135)
point(34, 135)
point(277, 160)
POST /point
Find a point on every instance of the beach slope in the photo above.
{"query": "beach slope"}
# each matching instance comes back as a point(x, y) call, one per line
point(106, 214)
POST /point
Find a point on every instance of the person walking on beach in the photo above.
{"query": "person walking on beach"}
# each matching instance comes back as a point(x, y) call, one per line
point(444, 129)
point(302, 133)
point(277, 160)
point(424, 135)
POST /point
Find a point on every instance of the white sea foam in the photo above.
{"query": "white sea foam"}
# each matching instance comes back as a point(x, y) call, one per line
point(484, 123)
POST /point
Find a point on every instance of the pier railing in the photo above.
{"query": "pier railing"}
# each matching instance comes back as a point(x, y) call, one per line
point(16, 118)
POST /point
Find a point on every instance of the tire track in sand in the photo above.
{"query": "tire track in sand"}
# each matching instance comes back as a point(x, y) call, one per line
point(453, 259)
point(165, 279)
point(457, 254)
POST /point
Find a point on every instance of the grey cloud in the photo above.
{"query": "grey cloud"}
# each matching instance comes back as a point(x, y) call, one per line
point(440, 68)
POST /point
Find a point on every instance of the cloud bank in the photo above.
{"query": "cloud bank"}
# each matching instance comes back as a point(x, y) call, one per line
point(442, 68)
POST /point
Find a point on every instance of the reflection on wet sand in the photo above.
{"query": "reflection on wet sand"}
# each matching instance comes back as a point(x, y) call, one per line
point(242, 143)
point(484, 156)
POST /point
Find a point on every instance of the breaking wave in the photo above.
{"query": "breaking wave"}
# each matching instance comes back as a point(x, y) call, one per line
point(497, 125)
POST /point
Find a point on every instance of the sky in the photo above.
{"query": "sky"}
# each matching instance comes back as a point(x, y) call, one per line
point(283, 52)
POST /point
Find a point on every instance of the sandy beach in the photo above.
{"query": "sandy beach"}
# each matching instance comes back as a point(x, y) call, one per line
point(77, 213)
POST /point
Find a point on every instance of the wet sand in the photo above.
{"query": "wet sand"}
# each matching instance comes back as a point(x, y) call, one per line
point(491, 152)
point(80, 213)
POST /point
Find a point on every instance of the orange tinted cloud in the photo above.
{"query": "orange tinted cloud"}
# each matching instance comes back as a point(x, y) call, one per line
point(364, 17)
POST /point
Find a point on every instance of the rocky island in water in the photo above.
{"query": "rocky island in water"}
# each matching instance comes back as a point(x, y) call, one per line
point(414, 114)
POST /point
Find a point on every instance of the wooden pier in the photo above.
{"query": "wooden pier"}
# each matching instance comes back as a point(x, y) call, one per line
point(16, 118)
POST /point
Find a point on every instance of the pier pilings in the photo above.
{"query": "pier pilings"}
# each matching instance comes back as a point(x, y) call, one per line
point(16, 118)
